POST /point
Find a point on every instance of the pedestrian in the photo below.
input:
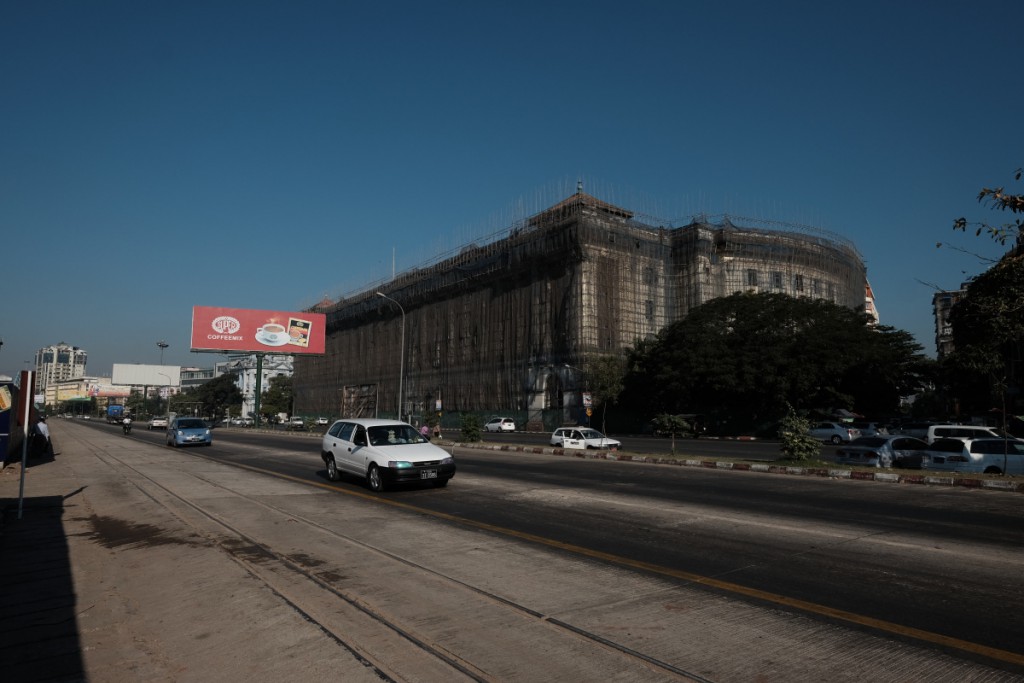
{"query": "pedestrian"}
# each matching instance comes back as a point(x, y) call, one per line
point(437, 431)
point(425, 431)
point(41, 441)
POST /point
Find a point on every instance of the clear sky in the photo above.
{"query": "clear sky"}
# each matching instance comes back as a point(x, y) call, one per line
point(160, 155)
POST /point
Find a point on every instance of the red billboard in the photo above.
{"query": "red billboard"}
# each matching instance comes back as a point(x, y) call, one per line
point(237, 329)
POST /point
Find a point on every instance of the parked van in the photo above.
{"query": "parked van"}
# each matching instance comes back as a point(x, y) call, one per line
point(961, 432)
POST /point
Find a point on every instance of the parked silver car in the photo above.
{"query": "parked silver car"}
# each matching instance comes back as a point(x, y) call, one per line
point(883, 451)
point(989, 456)
point(834, 432)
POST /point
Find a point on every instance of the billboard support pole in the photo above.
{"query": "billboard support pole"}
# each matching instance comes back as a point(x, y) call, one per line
point(259, 389)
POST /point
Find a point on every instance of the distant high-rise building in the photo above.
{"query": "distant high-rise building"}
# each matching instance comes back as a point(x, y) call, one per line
point(58, 363)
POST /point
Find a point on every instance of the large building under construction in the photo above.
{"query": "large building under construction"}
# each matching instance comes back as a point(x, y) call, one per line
point(509, 327)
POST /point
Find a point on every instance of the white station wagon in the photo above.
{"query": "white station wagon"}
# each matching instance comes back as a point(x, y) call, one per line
point(384, 452)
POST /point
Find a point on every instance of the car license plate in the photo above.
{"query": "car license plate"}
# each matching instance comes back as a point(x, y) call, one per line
point(428, 474)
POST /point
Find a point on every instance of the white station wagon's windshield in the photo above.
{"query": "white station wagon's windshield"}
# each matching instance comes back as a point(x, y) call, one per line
point(394, 435)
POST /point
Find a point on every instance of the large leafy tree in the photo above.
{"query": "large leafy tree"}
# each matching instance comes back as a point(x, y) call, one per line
point(985, 369)
point(278, 396)
point(988, 339)
point(219, 394)
point(742, 359)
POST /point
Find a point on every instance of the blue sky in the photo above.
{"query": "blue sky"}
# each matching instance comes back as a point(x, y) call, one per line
point(161, 155)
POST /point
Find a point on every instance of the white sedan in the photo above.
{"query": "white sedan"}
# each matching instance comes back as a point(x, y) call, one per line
point(501, 424)
point(590, 438)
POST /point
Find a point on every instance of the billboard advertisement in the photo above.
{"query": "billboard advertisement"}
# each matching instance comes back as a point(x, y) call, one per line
point(103, 390)
point(236, 329)
point(140, 375)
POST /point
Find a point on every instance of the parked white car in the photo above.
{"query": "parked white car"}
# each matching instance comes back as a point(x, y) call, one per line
point(948, 431)
point(500, 424)
point(384, 452)
point(989, 456)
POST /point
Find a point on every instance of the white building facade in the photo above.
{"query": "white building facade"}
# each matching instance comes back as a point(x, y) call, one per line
point(244, 369)
point(59, 363)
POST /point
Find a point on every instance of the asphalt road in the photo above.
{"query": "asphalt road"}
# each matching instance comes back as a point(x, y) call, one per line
point(942, 565)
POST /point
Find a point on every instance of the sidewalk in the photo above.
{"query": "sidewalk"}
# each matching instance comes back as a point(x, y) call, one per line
point(99, 583)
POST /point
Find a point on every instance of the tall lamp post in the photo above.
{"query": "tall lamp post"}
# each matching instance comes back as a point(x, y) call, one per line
point(163, 345)
point(401, 352)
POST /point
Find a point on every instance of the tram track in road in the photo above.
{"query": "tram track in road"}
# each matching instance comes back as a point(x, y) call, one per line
point(312, 592)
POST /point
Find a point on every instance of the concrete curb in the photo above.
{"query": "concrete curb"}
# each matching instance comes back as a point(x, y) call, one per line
point(1010, 485)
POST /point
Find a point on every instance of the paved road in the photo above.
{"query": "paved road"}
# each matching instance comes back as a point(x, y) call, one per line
point(880, 554)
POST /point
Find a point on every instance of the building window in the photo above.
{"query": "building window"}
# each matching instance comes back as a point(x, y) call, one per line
point(816, 287)
point(649, 308)
point(777, 280)
point(798, 283)
point(751, 278)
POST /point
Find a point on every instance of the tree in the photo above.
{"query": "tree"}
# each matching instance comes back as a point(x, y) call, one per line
point(988, 321)
point(741, 359)
point(606, 382)
point(671, 425)
point(219, 394)
point(794, 434)
point(470, 428)
point(988, 338)
point(997, 198)
point(278, 396)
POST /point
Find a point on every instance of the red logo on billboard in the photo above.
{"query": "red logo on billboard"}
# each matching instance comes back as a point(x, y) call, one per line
point(225, 324)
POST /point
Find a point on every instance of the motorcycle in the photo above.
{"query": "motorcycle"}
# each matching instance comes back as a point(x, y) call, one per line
point(127, 427)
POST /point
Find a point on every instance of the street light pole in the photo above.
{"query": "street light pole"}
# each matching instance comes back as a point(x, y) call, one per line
point(401, 352)
point(163, 345)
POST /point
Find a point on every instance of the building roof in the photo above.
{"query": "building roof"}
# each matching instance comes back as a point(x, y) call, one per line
point(574, 204)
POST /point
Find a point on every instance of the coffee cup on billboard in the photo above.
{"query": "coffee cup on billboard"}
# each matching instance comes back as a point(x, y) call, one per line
point(271, 331)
